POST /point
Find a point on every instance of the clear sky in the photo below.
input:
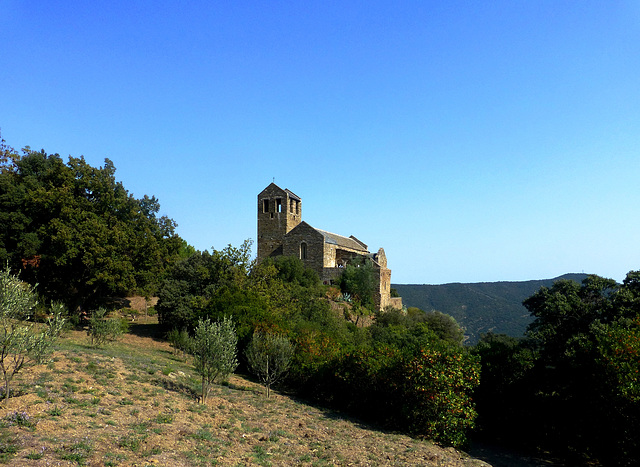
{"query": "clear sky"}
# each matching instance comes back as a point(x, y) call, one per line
point(474, 140)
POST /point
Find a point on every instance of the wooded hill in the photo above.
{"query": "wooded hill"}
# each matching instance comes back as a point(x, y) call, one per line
point(480, 307)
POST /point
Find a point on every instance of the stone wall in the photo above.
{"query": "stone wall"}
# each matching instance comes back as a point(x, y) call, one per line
point(281, 231)
point(313, 242)
point(279, 211)
point(330, 275)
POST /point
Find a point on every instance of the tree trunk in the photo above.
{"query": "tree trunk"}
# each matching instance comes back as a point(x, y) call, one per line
point(268, 380)
point(6, 385)
point(204, 393)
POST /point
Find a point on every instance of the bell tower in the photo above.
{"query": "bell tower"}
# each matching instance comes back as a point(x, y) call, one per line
point(279, 211)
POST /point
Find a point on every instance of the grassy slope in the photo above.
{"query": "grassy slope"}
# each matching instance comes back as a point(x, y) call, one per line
point(134, 403)
point(480, 307)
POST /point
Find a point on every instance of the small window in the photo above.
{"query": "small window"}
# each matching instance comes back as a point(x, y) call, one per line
point(278, 205)
point(303, 250)
point(265, 205)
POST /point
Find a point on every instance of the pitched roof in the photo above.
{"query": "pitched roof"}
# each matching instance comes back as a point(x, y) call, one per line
point(292, 194)
point(346, 242)
point(273, 187)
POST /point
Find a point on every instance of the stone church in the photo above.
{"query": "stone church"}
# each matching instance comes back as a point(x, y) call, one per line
point(281, 231)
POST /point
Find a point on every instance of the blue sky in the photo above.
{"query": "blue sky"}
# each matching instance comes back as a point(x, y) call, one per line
point(474, 141)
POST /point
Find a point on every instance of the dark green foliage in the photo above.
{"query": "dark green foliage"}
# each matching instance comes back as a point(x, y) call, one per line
point(414, 372)
point(185, 251)
point(480, 307)
point(359, 280)
point(401, 373)
point(503, 398)
point(22, 342)
point(415, 328)
point(425, 391)
point(179, 340)
point(437, 398)
point(192, 283)
point(572, 385)
point(214, 349)
point(292, 270)
point(407, 371)
point(445, 327)
point(87, 238)
point(102, 329)
point(403, 331)
point(269, 357)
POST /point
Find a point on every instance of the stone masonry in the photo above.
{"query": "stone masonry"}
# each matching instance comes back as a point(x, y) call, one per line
point(281, 231)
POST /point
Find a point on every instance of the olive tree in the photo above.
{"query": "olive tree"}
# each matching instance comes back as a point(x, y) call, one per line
point(103, 329)
point(214, 351)
point(269, 357)
point(180, 341)
point(22, 341)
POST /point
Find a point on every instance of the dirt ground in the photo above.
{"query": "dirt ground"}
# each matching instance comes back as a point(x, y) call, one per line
point(134, 402)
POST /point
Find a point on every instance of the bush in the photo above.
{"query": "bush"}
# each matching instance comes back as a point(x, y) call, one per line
point(438, 383)
point(427, 393)
point(179, 340)
point(102, 329)
point(269, 357)
point(22, 342)
point(214, 352)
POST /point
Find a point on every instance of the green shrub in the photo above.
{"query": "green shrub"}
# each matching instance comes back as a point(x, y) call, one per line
point(438, 383)
point(425, 392)
point(22, 342)
point(269, 357)
point(214, 351)
point(179, 340)
point(102, 329)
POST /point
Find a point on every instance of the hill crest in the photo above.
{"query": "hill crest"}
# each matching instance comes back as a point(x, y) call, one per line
point(481, 307)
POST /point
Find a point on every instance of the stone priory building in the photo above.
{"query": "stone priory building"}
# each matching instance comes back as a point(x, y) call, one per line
point(281, 231)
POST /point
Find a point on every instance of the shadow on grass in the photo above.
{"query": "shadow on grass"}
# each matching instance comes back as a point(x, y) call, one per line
point(176, 386)
point(151, 329)
point(241, 388)
point(332, 412)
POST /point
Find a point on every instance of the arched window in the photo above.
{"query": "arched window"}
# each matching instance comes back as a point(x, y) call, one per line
point(303, 250)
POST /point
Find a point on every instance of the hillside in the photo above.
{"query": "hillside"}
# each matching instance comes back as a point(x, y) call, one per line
point(480, 307)
point(133, 403)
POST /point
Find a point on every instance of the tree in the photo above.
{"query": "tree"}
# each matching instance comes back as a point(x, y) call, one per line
point(269, 357)
point(438, 384)
point(415, 328)
point(8, 155)
point(503, 398)
point(192, 283)
point(293, 271)
point(214, 351)
point(23, 342)
point(180, 341)
point(572, 384)
point(102, 329)
point(359, 280)
point(565, 312)
point(76, 231)
point(445, 327)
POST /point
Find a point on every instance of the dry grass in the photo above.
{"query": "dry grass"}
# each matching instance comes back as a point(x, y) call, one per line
point(134, 403)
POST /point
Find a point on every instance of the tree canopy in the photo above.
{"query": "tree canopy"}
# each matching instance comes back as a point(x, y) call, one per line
point(77, 232)
point(359, 280)
point(409, 372)
point(573, 384)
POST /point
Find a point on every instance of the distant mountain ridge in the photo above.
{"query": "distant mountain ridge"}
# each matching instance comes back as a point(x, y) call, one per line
point(480, 307)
